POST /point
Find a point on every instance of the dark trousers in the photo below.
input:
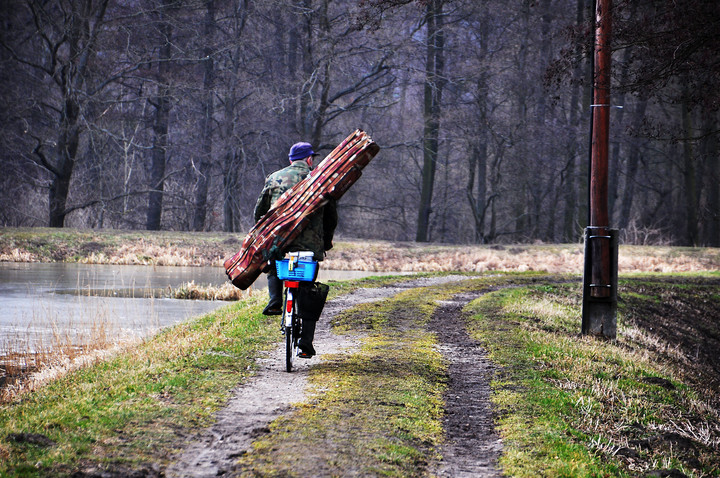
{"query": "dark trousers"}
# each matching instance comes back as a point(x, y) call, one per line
point(275, 287)
point(307, 334)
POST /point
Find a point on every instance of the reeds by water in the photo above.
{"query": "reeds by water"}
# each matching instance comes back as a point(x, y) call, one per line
point(40, 349)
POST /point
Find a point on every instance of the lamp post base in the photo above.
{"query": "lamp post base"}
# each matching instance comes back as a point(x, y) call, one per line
point(600, 280)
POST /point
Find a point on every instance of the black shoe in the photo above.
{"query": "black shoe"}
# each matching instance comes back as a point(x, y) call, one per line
point(305, 351)
point(272, 309)
point(305, 355)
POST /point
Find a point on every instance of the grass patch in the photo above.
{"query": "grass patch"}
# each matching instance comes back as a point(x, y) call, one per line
point(373, 413)
point(131, 410)
point(376, 412)
point(91, 246)
point(577, 406)
point(567, 405)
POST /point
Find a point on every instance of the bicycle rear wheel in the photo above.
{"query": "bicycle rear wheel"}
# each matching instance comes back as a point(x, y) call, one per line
point(289, 348)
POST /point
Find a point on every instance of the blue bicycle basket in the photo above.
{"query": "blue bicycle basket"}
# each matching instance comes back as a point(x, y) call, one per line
point(294, 269)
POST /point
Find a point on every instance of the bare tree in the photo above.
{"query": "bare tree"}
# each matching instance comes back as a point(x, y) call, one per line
point(162, 102)
point(64, 41)
point(434, 84)
point(164, 114)
point(206, 121)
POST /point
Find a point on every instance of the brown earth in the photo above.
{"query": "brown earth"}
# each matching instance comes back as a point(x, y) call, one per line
point(684, 320)
point(684, 325)
point(472, 446)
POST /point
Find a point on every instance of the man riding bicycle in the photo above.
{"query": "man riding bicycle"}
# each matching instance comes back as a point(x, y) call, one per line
point(316, 237)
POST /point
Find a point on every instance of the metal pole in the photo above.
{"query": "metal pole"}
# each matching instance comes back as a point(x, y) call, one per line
point(600, 279)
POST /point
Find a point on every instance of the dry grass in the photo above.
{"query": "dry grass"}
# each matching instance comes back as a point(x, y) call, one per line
point(30, 359)
point(562, 258)
point(26, 372)
point(17, 255)
point(625, 401)
point(144, 254)
point(227, 291)
point(211, 249)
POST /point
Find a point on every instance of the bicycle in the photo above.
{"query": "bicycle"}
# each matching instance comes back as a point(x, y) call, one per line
point(298, 268)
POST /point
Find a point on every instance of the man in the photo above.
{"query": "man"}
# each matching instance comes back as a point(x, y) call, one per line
point(316, 237)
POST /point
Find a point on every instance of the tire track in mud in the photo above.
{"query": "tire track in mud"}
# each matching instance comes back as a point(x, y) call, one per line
point(472, 446)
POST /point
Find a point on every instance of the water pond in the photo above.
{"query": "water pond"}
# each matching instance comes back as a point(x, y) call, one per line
point(44, 304)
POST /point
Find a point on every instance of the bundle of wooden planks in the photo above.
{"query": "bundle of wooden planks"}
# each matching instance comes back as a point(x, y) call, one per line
point(289, 215)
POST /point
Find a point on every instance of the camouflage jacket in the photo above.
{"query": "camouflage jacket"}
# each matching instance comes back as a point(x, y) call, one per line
point(318, 234)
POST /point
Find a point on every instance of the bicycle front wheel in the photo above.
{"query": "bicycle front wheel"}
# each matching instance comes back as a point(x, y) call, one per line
point(289, 348)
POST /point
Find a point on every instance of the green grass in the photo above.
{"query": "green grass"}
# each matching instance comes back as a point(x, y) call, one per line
point(572, 405)
point(130, 409)
point(566, 405)
point(376, 412)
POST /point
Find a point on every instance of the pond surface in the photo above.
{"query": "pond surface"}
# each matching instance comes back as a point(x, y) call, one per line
point(43, 305)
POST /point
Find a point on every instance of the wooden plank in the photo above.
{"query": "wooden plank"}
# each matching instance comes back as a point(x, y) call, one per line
point(289, 215)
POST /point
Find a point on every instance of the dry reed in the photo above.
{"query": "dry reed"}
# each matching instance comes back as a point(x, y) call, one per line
point(226, 291)
point(30, 359)
point(17, 255)
point(553, 259)
point(211, 249)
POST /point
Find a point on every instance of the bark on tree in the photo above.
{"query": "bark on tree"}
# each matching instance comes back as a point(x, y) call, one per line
point(712, 178)
point(689, 177)
point(434, 83)
point(161, 122)
point(631, 167)
point(206, 121)
point(476, 190)
point(233, 155)
point(83, 25)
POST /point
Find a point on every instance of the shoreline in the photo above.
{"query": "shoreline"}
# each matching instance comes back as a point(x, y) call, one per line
point(169, 248)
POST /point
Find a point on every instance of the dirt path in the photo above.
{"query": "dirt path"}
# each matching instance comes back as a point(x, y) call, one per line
point(473, 446)
point(272, 392)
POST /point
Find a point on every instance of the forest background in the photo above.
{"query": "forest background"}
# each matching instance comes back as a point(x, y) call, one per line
point(168, 114)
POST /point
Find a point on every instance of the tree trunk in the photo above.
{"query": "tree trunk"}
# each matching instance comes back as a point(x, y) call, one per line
point(161, 126)
point(68, 142)
point(434, 83)
point(231, 174)
point(305, 108)
point(690, 180)
point(520, 199)
point(206, 122)
point(82, 36)
point(712, 178)
point(230, 179)
point(631, 167)
point(478, 159)
point(572, 190)
point(476, 194)
point(615, 156)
